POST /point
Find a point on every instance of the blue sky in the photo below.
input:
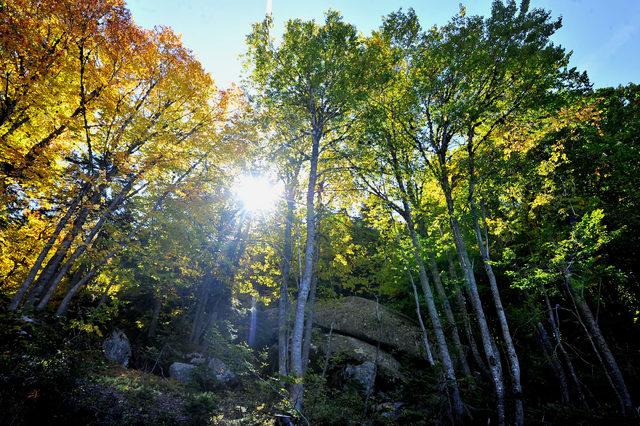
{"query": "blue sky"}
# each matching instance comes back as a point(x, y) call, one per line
point(604, 35)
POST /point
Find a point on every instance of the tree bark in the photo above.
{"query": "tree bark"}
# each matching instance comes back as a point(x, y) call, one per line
point(555, 326)
point(609, 361)
point(155, 317)
point(493, 358)
point(283, 302)
point(308, 325)
point(64, 305)
point(61, 252)
point(297, 389)
point(87, 241)
point(461, 307)
point(444, 301)
point(443, 349)
point(17, 298)
point(554, 362)
point(425, 335)
point(483, 247)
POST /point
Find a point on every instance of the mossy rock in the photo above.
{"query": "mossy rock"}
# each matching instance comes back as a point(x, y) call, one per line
point(352, 349)
point(358, 317)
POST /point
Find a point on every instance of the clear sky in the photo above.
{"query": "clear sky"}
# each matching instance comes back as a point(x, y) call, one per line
point(604, 35)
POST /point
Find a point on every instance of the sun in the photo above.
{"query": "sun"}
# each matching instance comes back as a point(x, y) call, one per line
point(257, 193)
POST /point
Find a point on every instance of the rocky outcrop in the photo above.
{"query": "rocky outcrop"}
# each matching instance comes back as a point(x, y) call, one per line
point(195, 358)
point(221, 372)
point(117, 348)
point(181, 372)
point(358, 317)
point(352, 349)
point(217, 369)
point(363, 375)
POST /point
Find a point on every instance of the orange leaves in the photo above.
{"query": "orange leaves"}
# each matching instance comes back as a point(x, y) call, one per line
point(89, 99)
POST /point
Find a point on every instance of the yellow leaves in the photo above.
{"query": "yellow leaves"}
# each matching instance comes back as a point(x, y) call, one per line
point(340, 259)
point(542, 200)
point(86, 327)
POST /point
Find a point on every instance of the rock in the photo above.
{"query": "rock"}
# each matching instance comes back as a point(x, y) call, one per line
point(356, 316)
point(218, 370)
point(364, 375)
point(195, 358)
point(221, 372)
point(181, 372)
point(359, 351)
point(117, 348)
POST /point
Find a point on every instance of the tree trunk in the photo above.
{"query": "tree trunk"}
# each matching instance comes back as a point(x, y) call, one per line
point(53, 263)
point(425, 335)
point(493, 358)
point(554, 362)
point(253, 322)
point(577, 384)
point(297, 389)
point(483, 247)
point(17, 298)
point(461, 307)
point(308, 325)
point(442, 295)
point(283, 303)
point(200, 307)
point(609, 361)
point(445, 358)
point(87, 241)
point(157, 307)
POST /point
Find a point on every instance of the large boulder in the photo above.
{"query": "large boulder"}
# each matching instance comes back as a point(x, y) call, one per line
point(221, 372)
point(195, 358)
point(181, 372)
point(116, 348)
point(215, 368)
point(358, 317)
point(352, 349)
point(363, 375)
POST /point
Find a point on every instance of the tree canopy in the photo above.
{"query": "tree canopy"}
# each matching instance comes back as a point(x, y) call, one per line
point(447, 230)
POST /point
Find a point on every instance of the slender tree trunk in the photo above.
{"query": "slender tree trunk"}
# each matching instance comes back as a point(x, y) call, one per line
point(308, 325)
point(157, 307)
point(201, 302)
point(253, 322)
point(17, 298)
point(461, 307)
point(64, 305)
point(442, 295)
point(310, 307)
point(87, 241)
point(493, 357)
point(425, 335)
point(445, 358)
point(57, 258)
point(297, 389)
point(554, 362)
point(559, 345)
point(283, 303)
point(483, 247)
point(609, 361)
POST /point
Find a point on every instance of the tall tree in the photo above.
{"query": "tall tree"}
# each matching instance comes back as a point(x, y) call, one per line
point(317, 72)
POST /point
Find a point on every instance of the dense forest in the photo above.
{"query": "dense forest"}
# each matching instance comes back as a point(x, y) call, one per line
point(412, 226)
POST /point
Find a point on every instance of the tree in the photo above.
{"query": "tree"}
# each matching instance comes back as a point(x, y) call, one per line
point(317, 72)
